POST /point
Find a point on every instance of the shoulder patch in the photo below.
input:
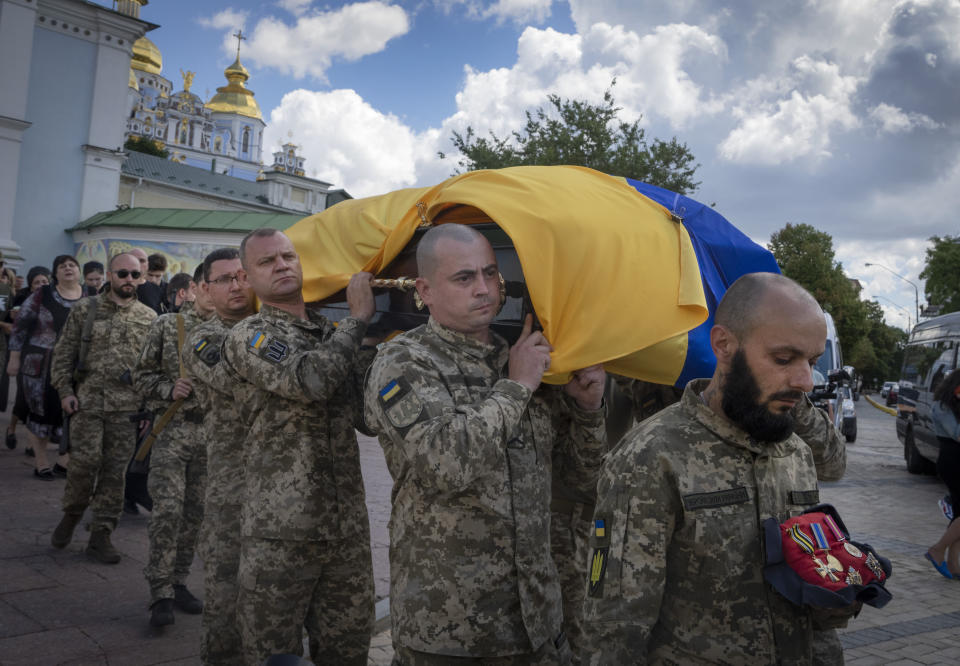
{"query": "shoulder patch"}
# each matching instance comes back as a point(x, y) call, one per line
point(266, 347)
point(400, 403)
point(207, 352)
point(600, 540)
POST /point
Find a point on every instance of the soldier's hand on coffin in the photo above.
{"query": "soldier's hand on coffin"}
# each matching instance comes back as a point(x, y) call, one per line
point(529, 357)
point(70, 404)
point(834, 618)
point(360, 297)
point(586, 387)
point(182, 388)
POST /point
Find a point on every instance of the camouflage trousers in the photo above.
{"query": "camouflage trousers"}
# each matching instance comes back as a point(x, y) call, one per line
point(101, 444)
point(549, 654)
point(178, 472)
point(570, 548)
point(220, 550)
point(323, 586)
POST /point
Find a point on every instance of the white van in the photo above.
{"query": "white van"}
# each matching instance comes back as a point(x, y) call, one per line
point(830, 362)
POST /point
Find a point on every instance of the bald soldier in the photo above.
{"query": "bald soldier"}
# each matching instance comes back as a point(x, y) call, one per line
point(676, 571)
point(469, 434)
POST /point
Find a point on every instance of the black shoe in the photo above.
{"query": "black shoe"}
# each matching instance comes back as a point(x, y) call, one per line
point(129, 506)
point(43, 474)
point(59, 470)
point(28, 452)
point(184, 600)
point(64, 530)
point(11, 440)
point(100, 549)
point(161, 613)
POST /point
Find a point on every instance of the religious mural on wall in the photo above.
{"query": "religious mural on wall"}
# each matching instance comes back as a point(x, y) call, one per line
point(181, 257)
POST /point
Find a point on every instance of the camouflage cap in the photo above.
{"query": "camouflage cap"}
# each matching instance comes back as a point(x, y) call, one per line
point(812, 561)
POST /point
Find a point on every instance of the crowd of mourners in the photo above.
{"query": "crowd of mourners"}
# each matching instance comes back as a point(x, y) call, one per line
point(521, 531)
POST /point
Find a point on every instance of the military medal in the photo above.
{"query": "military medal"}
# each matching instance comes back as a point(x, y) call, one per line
point(818, 534)
point(853, 550)
point(825, 570)
point(832, 524)
point(874, 565)
point(853, 577)
point(834, 564)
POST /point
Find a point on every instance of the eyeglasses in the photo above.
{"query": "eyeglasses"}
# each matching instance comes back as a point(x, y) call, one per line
point(123, 273)
point(226, 280)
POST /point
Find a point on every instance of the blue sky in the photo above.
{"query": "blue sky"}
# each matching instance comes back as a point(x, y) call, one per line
point(840, 114)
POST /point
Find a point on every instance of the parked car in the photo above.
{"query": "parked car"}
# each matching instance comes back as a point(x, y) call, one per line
point(849, 411)
point(930, 355)
point(886, 389)
point(892, 393)
point(830, 363)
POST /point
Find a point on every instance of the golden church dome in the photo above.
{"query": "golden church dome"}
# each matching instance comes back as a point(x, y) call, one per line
point(234, 97)
point(146, 56)
point(133, 81)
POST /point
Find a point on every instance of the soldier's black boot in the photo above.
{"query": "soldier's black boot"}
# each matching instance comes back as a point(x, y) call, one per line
point(184, 600)
point(100, 548)
point(63, 532)
point(161, 613)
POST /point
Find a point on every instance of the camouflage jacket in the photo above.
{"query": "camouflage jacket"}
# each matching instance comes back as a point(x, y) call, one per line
point(677, 553)
point(159, 367)
point(470, 455)
point(118, 335)
point(303, 480)
point(227, 416)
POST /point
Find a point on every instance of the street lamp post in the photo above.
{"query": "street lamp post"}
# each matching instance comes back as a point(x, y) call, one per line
point(916, 292)
point(899, 307)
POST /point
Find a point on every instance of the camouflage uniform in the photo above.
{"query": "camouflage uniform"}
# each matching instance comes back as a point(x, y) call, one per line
point(225, 424)
point(178, 458)
point(305, 555)
point(571, 511)
point(102, 436)
point(676, 567)
point(470, 454)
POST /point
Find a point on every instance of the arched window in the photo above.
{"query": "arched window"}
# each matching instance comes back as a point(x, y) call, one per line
point(246, 140)
point(182, 133)
point(218, 144)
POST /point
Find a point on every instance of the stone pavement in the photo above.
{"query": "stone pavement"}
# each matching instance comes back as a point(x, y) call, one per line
point(57, 607)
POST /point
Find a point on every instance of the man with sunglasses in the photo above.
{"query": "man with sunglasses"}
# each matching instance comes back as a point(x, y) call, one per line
point(223, 283)
point(305, 543)
point(178, 460)
point(95, 384)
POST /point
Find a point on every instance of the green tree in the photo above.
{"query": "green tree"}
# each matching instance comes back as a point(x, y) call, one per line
point(591, 135)
point(942, 273)
point(142, 144)
point(806, 255)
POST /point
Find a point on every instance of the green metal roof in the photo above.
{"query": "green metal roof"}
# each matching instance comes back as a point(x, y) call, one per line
point(188, 220)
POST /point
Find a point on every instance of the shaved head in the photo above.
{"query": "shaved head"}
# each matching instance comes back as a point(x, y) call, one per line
point(427, 255)
point(746, 303)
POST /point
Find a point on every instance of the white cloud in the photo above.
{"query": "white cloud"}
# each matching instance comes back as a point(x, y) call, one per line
point(349, 143)
point(519, 11)
point(818, 100)
point(228, 19)
point(893, 120)
point(308, 47)
point(295, 7)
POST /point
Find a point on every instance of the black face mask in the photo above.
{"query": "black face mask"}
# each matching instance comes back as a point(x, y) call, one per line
point(741, 403)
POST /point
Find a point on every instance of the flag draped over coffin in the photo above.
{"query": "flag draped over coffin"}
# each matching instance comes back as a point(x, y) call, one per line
point(614, 275)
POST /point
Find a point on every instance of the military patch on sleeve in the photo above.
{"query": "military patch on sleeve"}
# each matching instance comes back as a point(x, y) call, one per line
point(400, 403)
point(805, 496)
point(276, 351)
point(598, 562)
point(207, 352)
point(266, 347)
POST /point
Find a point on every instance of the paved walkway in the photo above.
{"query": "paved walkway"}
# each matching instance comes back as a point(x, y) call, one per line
point(57, 607)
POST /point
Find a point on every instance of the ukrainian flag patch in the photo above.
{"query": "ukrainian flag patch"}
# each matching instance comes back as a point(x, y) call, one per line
point(257, 340)
point(200, 346)
point(389, 390)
